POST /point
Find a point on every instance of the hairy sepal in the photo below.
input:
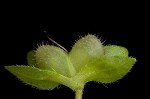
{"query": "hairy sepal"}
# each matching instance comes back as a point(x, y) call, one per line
point(31, 58)
point(84, 50)
point(54, 59)
point(106, 69)
point(33, 76)
point(114, 50)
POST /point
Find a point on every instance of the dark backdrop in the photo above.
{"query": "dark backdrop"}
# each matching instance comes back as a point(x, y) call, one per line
point(21, 33)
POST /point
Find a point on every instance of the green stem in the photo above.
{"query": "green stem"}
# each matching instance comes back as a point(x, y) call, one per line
point(78, 93)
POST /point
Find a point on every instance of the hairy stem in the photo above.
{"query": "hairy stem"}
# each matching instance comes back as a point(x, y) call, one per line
point(78, 93)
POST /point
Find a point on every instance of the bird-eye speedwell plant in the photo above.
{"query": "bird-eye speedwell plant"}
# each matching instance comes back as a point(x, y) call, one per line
point(89, 60)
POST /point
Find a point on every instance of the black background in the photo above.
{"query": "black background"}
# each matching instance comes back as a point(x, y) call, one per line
point(21, 31)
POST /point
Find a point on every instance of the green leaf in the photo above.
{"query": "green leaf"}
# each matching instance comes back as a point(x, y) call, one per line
point(114, 50)
point(33, 76)
point(31, 58)
point(54, 59)
point(84, 50)
point(106, 69)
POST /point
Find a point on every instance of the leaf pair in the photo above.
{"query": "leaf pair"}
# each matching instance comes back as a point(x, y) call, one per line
point(89, 60)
